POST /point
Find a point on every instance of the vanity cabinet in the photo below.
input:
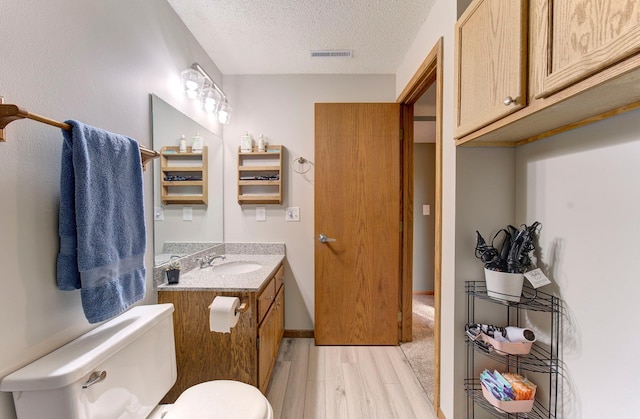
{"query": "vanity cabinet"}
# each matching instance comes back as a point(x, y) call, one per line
point(183, 176)
point(578, 63)
point(247, 354)
point(260, 175)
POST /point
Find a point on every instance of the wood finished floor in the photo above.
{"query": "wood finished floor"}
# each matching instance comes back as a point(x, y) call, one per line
point(354, 382)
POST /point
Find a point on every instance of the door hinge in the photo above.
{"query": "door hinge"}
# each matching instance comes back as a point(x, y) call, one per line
point(399, 316)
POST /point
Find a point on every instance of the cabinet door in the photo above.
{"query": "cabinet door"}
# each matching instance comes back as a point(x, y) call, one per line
point(278, 329)
point(491, 58)
point(588, 36)
point(266, 336)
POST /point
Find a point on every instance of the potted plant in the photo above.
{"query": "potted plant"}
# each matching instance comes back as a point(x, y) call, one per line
point(173, 271)
point(504, 269)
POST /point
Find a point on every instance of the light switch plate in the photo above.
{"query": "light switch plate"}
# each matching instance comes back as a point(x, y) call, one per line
point(293, 214)
point(187, 213)
point(158, 214)
point(261, 214)
point(426, 209)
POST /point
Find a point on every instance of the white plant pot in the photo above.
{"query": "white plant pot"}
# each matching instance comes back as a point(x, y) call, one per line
point(503, 285)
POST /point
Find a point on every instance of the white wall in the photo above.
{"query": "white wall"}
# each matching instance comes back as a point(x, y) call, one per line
point(424, 190)
point(440, 23)
point(282, 108)
point(583, 186)
point(90, 60)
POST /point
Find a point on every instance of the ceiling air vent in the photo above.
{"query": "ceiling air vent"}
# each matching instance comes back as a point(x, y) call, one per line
point(332, 53)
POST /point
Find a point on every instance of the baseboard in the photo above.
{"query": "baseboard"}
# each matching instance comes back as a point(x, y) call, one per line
point(423, 293)
point(298, 334)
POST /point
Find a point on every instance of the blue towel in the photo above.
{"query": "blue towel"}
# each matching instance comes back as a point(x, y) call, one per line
point(102, 230)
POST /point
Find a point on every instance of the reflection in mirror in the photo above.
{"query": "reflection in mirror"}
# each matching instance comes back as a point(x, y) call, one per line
point(173, 235)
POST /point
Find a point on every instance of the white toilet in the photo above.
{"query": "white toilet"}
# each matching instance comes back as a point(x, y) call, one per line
point(121, 370)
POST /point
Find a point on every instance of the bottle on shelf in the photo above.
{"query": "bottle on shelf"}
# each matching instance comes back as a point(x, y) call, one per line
point(261, 143)
point(183, 144)
point(245, 142)
point(196, 147)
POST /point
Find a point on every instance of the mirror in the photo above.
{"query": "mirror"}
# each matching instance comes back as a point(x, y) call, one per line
point(173, 235)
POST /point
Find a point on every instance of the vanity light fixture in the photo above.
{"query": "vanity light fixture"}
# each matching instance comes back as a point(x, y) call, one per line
point(199, 85)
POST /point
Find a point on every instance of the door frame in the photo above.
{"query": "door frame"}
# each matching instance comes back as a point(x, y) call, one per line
point(429, 72)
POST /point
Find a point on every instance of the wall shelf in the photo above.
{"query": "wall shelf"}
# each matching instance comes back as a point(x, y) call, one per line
point(176, 173)
point(260, 176)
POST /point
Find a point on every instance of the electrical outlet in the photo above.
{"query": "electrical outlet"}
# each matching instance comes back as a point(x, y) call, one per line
point(261, 214)
point(187, 213)
point(293, 214)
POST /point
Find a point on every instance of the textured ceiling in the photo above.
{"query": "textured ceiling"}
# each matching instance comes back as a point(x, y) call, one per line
point(276, 36)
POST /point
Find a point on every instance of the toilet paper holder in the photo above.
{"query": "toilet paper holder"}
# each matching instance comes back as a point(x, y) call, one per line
point(242, 308)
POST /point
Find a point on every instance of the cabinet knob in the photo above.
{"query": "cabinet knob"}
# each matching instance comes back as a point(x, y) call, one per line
point(509, 101)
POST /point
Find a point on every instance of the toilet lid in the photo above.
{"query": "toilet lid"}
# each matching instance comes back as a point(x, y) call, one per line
point(221, 399)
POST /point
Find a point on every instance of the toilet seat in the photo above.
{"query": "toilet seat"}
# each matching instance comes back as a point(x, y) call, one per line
point(221, 399)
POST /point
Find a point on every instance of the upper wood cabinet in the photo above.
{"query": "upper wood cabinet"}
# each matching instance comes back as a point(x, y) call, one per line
point(491, 57)
point(588, 36)
point(581, 65)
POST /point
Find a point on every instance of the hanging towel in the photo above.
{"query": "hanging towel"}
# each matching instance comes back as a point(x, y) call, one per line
point(102, 230)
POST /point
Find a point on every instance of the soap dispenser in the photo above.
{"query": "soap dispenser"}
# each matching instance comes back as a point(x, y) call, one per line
point(197, 144)
point(246, 143)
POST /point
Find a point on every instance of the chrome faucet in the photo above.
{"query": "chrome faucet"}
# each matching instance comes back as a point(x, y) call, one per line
point(208, 260)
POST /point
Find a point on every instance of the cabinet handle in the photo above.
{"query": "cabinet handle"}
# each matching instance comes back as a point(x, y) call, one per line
point(509, 101)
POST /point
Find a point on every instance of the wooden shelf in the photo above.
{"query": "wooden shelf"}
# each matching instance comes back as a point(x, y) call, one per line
point(174, 163)
point(256, 164)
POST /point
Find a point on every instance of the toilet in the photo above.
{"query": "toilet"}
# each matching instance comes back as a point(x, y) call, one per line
point(121, 370)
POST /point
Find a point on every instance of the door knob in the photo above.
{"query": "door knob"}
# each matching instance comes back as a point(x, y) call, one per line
point(325, 239)
point(509, 101)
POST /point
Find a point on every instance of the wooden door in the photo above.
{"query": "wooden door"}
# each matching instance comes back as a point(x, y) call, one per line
point(588, 36)
point(491, 58)
point(357, 204)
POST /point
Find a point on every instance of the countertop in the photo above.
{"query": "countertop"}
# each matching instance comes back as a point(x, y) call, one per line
point(205, 279)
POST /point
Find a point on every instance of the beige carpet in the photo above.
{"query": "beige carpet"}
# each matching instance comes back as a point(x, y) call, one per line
point(419, 353)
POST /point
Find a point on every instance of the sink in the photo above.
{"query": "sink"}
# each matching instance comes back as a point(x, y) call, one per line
point(236, 267)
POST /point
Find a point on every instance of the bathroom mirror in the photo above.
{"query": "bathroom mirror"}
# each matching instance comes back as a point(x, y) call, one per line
point(173, 233)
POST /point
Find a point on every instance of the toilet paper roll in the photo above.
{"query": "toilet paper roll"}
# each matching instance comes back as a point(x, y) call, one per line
point(519, 334)
point(222, 314)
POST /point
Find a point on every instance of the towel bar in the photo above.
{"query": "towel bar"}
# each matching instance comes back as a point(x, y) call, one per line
point(10, 113)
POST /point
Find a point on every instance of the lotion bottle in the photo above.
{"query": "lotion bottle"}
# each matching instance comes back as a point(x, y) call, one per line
point(261, 143)
point(196, 147)
point(246, 143)
point(183, 144)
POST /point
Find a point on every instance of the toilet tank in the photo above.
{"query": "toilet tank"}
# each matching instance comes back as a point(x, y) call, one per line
point(131, 359)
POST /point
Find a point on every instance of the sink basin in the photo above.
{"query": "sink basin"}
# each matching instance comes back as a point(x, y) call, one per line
point(236, 267)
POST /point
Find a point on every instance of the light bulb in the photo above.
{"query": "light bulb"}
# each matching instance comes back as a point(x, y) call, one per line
point(210, 99)
point(224, 113)
point(192, 81)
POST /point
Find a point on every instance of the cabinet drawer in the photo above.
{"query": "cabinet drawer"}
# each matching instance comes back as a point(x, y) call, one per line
point(265, 298)
point(279, 277)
